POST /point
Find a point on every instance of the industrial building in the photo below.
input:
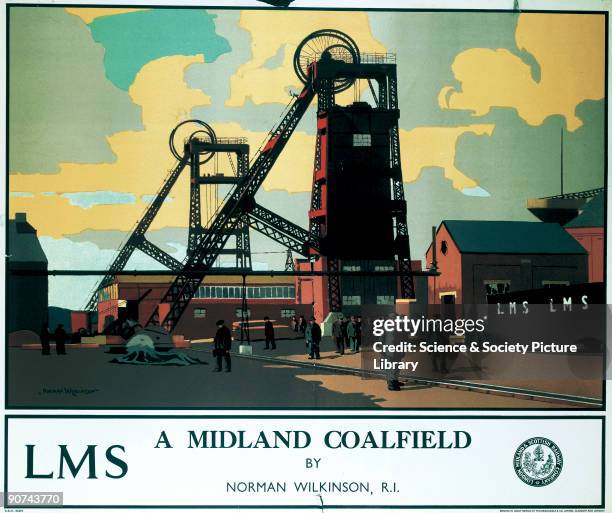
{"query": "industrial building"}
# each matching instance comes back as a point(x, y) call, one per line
point(218, 297)
point(27, 294)
point(588, 229)
point(357, 183)
point(357, 290)
point(477, 259)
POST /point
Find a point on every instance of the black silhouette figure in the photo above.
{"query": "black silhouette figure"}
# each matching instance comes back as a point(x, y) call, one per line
point(222, 346)
point(60, 337)
point(45, 339)
point(269, 333)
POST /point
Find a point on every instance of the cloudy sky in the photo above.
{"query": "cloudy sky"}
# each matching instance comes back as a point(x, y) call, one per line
point(95, 92)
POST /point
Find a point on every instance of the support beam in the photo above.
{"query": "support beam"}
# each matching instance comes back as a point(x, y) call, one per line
point(227, 219)
point(282, 230)
point(161, 256)
point(143, 225)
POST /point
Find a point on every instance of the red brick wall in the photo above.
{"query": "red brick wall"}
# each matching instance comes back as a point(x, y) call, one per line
point(313, 288)
point(592, 239)
point(449, 267)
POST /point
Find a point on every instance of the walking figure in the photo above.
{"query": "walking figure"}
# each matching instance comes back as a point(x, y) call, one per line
point(352, 331)
point(313, 336)
point(269, 333)
point(338, 335)
point(222, 346)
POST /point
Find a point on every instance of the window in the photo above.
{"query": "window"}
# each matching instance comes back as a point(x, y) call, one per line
point(497, 287)
point(239, 313)
point(448, 299)
point(554, 283)
point(231, 292)
point(362, 140)
point(110, 292)
point(384, 268)
point(385, 300)
point(199, 313)
point(287, 313)
point(351, 300)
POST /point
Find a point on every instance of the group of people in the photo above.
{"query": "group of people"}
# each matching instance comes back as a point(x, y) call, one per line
point(347, 333)
point(59, 336)
point(311, 331)
point(299, 324)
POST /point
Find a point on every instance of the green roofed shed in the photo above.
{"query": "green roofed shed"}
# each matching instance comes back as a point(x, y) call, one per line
point(512, 237)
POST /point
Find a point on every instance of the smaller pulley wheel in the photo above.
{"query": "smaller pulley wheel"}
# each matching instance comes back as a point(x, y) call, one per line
point(203, 132)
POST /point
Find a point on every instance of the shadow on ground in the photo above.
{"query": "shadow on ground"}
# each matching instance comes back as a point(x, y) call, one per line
point(85, 379)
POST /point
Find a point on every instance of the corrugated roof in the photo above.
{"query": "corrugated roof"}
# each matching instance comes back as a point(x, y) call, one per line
point(512, 237)
point(592, 214)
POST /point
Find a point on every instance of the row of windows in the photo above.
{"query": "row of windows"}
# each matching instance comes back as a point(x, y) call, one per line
point(229, 292)
point(356, 300)
point(362, 140)
point(110, 292)
point(376, 268)
point(285, 313)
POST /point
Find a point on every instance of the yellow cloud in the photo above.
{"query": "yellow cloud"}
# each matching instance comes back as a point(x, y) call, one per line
point(293, 169)
point(570, 52)
point(54, 216)
point(435, 146)
point(88, 14)
point(161, 91)
point(143, 161)
point(262, 85)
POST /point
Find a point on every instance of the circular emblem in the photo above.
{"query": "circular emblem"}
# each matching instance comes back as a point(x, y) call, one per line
point(538, 461)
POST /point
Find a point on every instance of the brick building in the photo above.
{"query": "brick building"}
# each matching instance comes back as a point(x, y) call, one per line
point(480, 258)
point(219, 297)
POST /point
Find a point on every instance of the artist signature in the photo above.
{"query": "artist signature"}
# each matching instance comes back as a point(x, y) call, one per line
point(74, 392)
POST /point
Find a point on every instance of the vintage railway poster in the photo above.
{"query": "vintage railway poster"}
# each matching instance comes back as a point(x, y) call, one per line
point(305, 255)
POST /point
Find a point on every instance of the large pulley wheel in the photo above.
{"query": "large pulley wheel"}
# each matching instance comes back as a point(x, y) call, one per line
point(325, 44)
point(203, 132)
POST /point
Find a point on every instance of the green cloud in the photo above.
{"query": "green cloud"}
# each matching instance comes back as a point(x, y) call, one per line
point(133, 39)
point(516, 163)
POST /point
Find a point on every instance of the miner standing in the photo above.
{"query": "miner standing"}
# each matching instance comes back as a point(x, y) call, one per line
point(269, 333)
point(222, 346)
